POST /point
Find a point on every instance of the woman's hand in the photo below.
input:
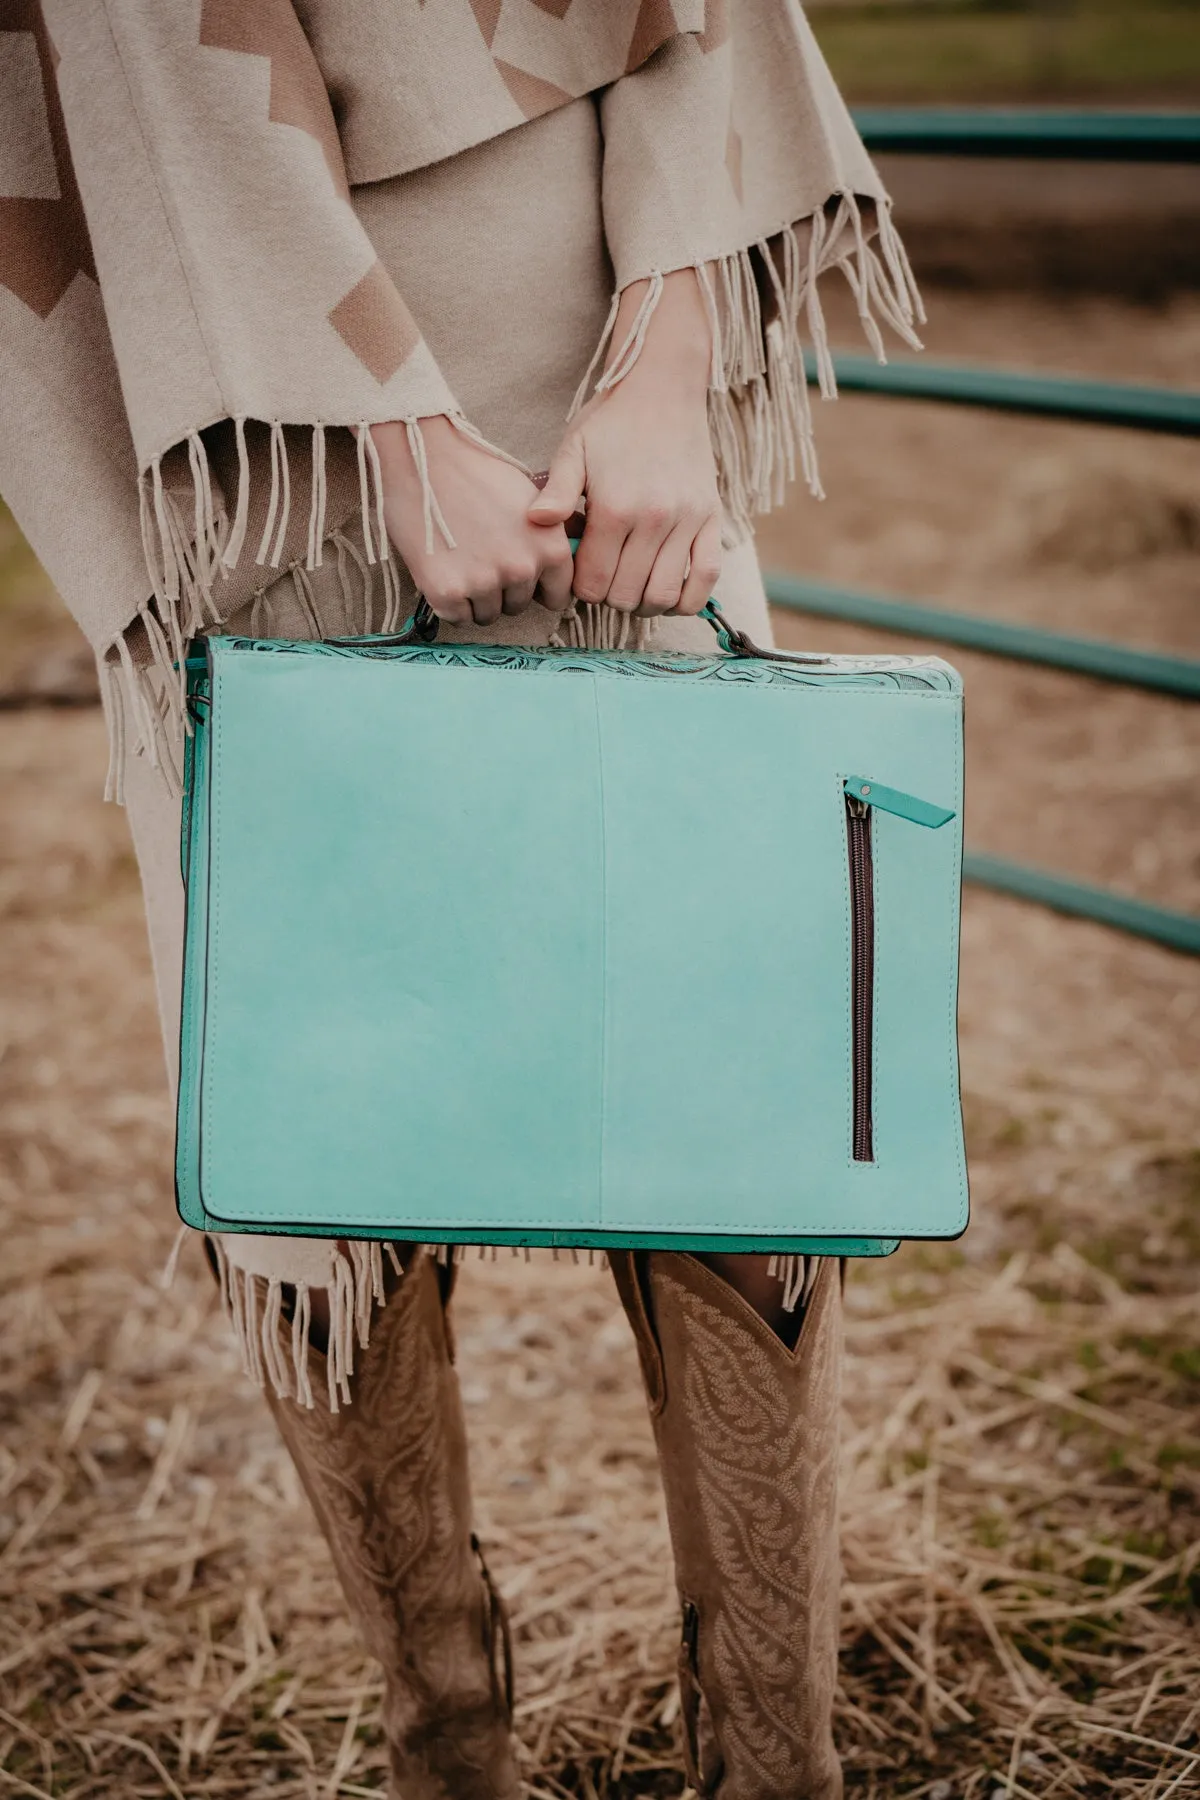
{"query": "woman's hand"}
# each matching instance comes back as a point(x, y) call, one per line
point(503, 560)
point(642, 455)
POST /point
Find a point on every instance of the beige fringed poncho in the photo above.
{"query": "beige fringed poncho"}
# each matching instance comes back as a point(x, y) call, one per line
point(183, 271)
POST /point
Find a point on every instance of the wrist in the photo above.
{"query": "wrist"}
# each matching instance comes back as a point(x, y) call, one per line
point(395, 452)
point(678, 342)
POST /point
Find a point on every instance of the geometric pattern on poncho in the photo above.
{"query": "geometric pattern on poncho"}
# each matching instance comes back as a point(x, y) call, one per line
point(44, 239)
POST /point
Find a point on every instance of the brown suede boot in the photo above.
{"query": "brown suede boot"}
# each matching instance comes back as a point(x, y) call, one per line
point(387, 1477)
point(747, 1434)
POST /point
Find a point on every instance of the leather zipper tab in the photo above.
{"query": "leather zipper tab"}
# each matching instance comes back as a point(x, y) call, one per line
point(892, 800)
point(862, 975)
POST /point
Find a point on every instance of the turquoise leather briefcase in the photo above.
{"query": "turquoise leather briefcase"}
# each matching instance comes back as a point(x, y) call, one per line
point(493, 945)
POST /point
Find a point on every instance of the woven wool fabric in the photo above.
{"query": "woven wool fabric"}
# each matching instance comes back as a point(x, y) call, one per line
point(196, 315)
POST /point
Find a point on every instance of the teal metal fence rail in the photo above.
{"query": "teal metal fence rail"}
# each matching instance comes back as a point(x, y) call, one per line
point(1033, 131)
point(1148, 669)
point(1015, 390)
point(1125, 137)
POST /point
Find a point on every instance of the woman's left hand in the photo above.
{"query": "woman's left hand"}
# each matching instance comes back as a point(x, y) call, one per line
point(641, 455)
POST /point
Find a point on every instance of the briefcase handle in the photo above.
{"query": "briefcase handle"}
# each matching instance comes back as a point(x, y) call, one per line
point(422, 627)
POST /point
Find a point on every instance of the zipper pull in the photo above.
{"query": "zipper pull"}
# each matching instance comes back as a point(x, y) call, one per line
point(862, 792)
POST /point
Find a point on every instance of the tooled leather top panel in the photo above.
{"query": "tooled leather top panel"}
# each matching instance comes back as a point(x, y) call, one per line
point(919, 675)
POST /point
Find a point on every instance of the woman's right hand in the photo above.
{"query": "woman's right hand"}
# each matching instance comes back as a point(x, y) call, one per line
point(501, 561)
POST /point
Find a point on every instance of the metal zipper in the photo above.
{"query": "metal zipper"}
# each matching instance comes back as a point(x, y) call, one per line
point(863, 795)
point(862, 975)
point(689, 1684)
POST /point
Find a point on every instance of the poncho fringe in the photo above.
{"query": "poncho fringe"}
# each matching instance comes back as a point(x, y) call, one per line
point(275, 1351)
point(760, 415)
point(189, 550)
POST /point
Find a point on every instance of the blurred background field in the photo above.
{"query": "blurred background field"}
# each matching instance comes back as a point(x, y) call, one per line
point(1022, 1460)
point(984, 51)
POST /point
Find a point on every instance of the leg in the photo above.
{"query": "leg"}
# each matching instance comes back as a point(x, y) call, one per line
point(747, 1433)
point(387, 1478)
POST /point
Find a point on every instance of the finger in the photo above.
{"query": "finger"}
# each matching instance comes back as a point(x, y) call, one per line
point(564, 484)
point(668, 574)
point(519, 595)
point(558, 572)
point(705, 571)
point(599, 553)
point(450, 604)
point(638, 553)
point(487, 605)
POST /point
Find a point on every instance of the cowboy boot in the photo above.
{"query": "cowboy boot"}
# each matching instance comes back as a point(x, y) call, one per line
point(747, 1434)
point(387, 1478)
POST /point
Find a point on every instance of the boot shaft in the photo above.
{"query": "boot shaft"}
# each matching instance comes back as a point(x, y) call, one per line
point(747, 1435)
point(387, 1478)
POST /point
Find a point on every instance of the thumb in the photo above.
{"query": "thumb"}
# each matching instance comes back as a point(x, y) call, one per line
point(564, 485)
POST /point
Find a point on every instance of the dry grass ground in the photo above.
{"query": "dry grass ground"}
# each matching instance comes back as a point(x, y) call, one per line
point(1022, 1462)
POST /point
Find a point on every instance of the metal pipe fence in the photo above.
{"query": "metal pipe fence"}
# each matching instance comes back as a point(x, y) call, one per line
point(1040, 132)
point(1127, 137)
